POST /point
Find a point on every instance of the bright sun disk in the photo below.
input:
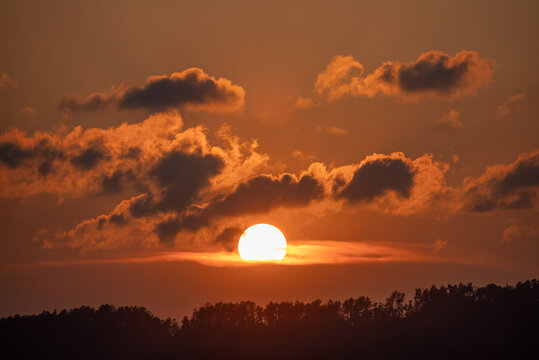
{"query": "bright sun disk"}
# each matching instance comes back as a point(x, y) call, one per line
point(262, 242)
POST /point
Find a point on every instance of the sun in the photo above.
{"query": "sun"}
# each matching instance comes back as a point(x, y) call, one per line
point(262, 242)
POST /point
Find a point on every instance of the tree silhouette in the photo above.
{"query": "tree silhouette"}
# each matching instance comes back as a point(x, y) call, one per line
point(447, 322)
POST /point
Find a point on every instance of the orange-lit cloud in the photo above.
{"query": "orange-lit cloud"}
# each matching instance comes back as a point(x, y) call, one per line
point(189, 193)
point(190, 89)
point(6, 81)
point(343, 252)
point(515, 103)
point(299, 154)
point(518, 232)
point(332, 130)
point(450, 120)
point(29, 111)
point(298, 253)
point(170, 168)
point(215, 214)
point(512, 186)
point(396, 184)
point(439, 245)
point(434, 75)
point(86, 161)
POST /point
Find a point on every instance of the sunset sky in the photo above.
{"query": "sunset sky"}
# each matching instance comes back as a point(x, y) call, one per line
point(395, 144)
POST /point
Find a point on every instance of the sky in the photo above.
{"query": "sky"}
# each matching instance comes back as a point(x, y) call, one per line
point(395, 144)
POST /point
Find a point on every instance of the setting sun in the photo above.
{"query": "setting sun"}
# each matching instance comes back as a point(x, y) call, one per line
point(262, 242)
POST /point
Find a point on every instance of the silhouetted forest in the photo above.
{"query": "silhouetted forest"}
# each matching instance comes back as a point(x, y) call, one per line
point(448, 322)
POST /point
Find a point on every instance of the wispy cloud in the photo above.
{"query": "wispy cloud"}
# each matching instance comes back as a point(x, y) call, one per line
point(450, 120)
point(6, 81)
point(298, 254)
point(515, 103)
point(332, 130)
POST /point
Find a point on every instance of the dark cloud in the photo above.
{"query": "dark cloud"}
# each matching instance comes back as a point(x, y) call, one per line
point(434, 71)
point(142, 205)
point(45, 167)
point(433, 75)
point(182, 176)
point(117, 219)
point(228, 238)
point(88, 158)
point(263, 193)
point(88, 104)
point(192, 88)
point(172, 171)
point(514, 186)
point(132, 153)
point(12, 155)
point(258, 195)
point(167, 230)
point(113, 183)
point(101, 221)
point(183, 183)
point(164, 92)
point(525, 174)
point(374, 178)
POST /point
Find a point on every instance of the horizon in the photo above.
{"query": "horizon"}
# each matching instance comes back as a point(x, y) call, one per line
point(376, 301)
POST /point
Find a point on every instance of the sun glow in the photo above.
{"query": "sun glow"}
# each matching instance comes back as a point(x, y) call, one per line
point(262, 242)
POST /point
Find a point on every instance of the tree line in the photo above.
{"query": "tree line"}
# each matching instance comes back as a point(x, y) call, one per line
point(454, 321)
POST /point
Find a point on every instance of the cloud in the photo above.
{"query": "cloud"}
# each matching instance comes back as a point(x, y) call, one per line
point(513, 186)
point(439, 245)
point(167, 230)
point(191, 89)
point(183, 190)
point(259, 194)
point(210, 212)
point(167, 171)
point(29, 111)
point(377, 176)
point(297, 254)
point(149, 155)
point(302, 103)
point(434, 75)
point(201, 213)
point(515, 103)
point(6, 81)
point(88, 158)
point(450, 120)
point(265, 192)
point(13, 155)
point(80, 161)
point(181, 176)
point(206, 214)
point(332, 130)
point(396, 184)
point(301, 155)
point(518, 232)
point(343, 252)
point(228, 238)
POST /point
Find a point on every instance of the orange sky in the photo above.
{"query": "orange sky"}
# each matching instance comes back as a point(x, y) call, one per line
point(395, 145)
